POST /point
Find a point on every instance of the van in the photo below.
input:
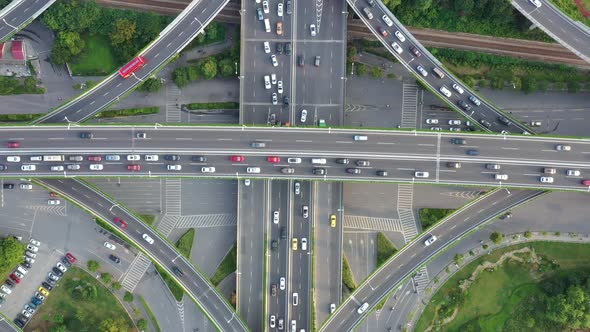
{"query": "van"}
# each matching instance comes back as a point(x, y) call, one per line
point(266, 25)
point(438, 72)
point(368, 13)
point(360, 137)
point(321, 161)
point(549, 170)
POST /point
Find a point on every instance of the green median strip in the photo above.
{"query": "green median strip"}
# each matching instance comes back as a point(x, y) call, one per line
point(213, 106)
point(128, 112)
point(226, 267)
point(19, 117)
point(347, 277)
point(150, 313)
point(385, 249)
point(184, 246)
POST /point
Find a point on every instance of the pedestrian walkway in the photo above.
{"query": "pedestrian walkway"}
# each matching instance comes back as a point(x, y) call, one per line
point(405, 197)
point(135, 272)
point(204, 220)
point(409, 105)
point(421, 280)
point(173, 196)
point(172, 104)
point(370, 223)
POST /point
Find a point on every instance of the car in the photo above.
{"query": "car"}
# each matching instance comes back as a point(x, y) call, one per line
point(57, 271)
point(208, 169)
point(546, 179)
point(26, 264)
point(294, 160)
point(493, 166)
point(445, 91)
point(47, 286)
point(382, 173)
point(294, 244)
point(273, 289)
point(141, 135)
point(115, 259)
point(112, 157)
point(36, 301)
point(172, 157)
point(28, 168)
point(70, 158)
point(279, 28)
point(561, 147)
point(535, 123)
point(436, 128)
point(61, 267)
point(32, 248)
point(431, 121)
point(572, 172)
point(66, 262)
point(110, 245)
point(332, 220)
point(52, 276)
point(362, 308)
point(319, 171)
point(586, 182)
point(26, 313)
point(353, 170)
point(474, 100)
point(273, 159)
point(549, 170)
point(56, 168)
point(454, 122)
point(472, 152)
point(415, 51)
point(266, 47)
point(34, 242)
point(5, 289)
point(368, 13)
point(260, 14)
point(86, 135)
point(97, 158)
point(265, 7)
point(15, 278)
point(275, 100)
point(10, 283)
point(400, 36)
point(237, 159)
point(280, 9)
point(273, 321)
point(200, 159)
point(303, 116)
point(387, 20)
point(275, 63)
point(430, 240)
point(247, 182)
point(71, 258)
point(312, 30)
point(151, 157)
point(13, 159)
point(458, 88)
point(342, 161)
point(41, 294)
point(267, 82)
point(363, 163)
point(455, 129)
point(297, 188)
point(3, 167)
point(73, 167)
point(421, 174)
point(286, 100)
point(289, 7)
point(275, 217)
point(305, 211)
point(397, 48)
point(537, 3)
point(30, 308)
point(30, 254)
point(96, 167)
point(280, 87)
point(454, 164)
point(464, 105)
point(29, 260)
point(253, 170)
point(295, 298)
point(20, 323)
point(501, 177)
point(133, 167)
point(506, 215)
point(504, 121)
point(174, 167)
point(288, 170)
point(371, 3)
point(13, 145)
point(421, 70)
point(177, 271)
point(383, 32)
point(148, 238)
point(282, 283)
point(485, 123)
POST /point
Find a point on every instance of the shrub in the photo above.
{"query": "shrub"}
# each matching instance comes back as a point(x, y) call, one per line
point(497, 237)
point(528, 234)
point(93, 265)
point(106, 277)
point(128, 297)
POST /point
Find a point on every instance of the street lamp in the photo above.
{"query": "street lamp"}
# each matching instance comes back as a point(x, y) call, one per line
point(236, 68)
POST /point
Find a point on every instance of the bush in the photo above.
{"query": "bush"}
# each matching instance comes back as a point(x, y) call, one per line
point(116, 285)
point(93, 266)
point(497, 237)
point(361, 69)
point(142, 324)
point(429, 217)
point(128, 112)
point(347, 277)
point(377, 72)
point(528, 234)
point(213, 106)
point(106, 277)
point(385, 249)
point(151, 85)
point(128, 297)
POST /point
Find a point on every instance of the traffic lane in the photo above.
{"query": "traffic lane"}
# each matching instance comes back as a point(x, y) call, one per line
point(6, 326)
point(19, 15)
point(197, 284)
point(415, 254)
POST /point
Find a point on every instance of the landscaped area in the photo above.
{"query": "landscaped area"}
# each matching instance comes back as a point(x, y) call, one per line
point(97, 59)
point(429, 217)
point(227, 266)
point(512, 296)
point(80, 303)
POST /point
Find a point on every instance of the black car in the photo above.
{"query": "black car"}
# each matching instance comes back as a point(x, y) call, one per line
point(353, 170)
point(382, 173)
point(371, 3)
point(177, 271)
point(19, 323)
point(319, 171)
point(485, 123)
point(301, 61)
point(507, 215)
point(274, 245)
point(280, 48)
point(342, 161)
point(26, 264)
point(286, 100)
point(51, 281)
point(9, 283)
point(57, 271)
point(200, 159)
point(464, 105)
point(87, 135)
point(115, 259)
point(473, 152)
point(288, 48)
point(8, 186)
point(283, 233)
point(363, 163)
point(459, 141)
point(66, 262)
point(47, 286)
point(172, 157)
point(504, 120)
point(22, 317)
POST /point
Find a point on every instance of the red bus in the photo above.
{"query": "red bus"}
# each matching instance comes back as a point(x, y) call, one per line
point(132, 66)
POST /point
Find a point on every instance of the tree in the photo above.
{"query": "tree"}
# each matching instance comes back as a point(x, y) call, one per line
point(93, 265)
point(58, 328)
point(106, 277)
point(209, 68)
point(123, 31)
point(463, 7)
point(528, 234)
point(227, 68)
point(58, 319)
point(11, 253)
point(142, 324)
point(113, 325)
point(573, 86)
point(572, 309)
point(376, 72)
point(529, 84)
point(116, 285)
point(128, 297)
point(361, 69)
point(180, 77)
point(151, 85)
point(497, 237)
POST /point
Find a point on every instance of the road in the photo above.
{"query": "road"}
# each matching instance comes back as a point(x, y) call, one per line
point(170, 42)
point(415, 254)
point(195, 284)
point(18, 13)
point(521, 157)
point(574, 36)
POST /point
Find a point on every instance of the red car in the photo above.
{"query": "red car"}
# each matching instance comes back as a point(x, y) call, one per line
point(94, 158)
point(71, 258)
point(273, 159)
point(14, 144)
point(586, 183)
point(383, 32)
point(53, 195)
point(238, 159)
point(133, 167)
point(118, 221)
point(15, 278)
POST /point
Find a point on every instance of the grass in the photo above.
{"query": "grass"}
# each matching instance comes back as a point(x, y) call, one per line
point(19, 117)
point(227, 266)
point(175, 289)
point(347, 277)
point(491, 300)
point(213, 106)
point(148, 218)
point(184, 245)
point(150, 313)
point(128, 112)
point(429, 217)
point(79, 314)
point(97, 60)
point(385, 249)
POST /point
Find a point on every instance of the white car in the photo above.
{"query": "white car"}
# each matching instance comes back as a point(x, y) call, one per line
point(303, 243)
point(28, 168)
point(455, 129)
point(96, 167)
point(282, 283)
point(572, 172)
point(273, 79)
point(332, 307)
point(294, 160)
point(13, 159)
point(151, 157)
point(174, 167)
point(430, 240)
point(26, 186)
point(454, 122)
point(303, 117)
point(436, 128)
point(422, 71)
point(266, 47)
point(387, 20)
point(400, 36)
point(110, 245)
point(432, 121)
point(280, 9)
point(562, 147)
point(61, 267)
point(5, 289)
point(275, 217)
point(208, 169)
point(397, 48)
point(275, 100)
point(53, 202)
point(267, 82)
point(280, 87)
point(502, 177)
point(443, 89)
point(362, 308)
point(73, 167)
point(148, 239)
point(546, 179)
point(32, 248)
point(247, 182)
point(265, 7)
point(35, 242)
point(273, 321)
point(133, 157)
point(57, 168)
point(253, 170)
point(312, 30)
point(537, 3)
point(420, 174)
point(275, 63)
point(458, 88)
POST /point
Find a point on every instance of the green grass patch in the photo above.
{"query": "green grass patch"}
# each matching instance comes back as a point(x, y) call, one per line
point(148, 218)
point(385, 249)
point(175, 289)
point(499, 297)
point(19, 117)
point(150, 313)
point(213, 106)
point(347, 277)
point(128, 112)
point(11, 252)
point(429, 217)
point(227, 266)
point(80, 303)
point(185, 243)
point(97, 59)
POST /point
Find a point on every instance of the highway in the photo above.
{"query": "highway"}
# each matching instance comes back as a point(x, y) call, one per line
point(569, 33)
point(19, 13)
point(415, 254)
point(195, 284)
point(170, 42)
point(399, 153)
point(485, 112)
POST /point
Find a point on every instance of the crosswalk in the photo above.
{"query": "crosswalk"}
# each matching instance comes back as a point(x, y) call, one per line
point(421, 280)
point(405, 197)
point(57, 210)
point(135, 272)
point(173, 196)
point(473, 194)
point(409, 105)
point(204, 220)
point(370, 223)
point(172, 107)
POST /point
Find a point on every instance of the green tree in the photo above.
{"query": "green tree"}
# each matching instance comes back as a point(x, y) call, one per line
point(227, 68)
point(58, 318)
point(128, 297)
point(93, 265)
point(209, 68)
point(11, 253)
point(113, 325)
point(376, 72)
point(81, 314)
point(571, 310)
point(529, 84)
point(497, 237)
point(116, 285)
point(58, 328)
point(192, 73)
point(151, 85)
point(142, 324)
point(123, 31)
point(361, 69)
point(106, 277)
point(573, 86)
point(528, 234)
point(463, 7)
point(180, 77)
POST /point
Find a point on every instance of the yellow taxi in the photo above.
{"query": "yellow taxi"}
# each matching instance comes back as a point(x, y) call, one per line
point(294, 244)
point(333, 220)
point(43, 291)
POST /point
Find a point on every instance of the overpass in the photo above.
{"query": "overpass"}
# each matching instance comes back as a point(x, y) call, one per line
point(17, 14)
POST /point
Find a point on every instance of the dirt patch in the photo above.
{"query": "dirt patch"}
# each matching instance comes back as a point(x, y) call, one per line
point(585, 11)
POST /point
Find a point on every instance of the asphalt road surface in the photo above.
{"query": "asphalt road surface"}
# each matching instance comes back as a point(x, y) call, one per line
point(22, 13)
point(415, 254)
